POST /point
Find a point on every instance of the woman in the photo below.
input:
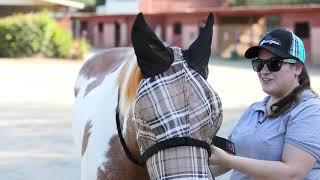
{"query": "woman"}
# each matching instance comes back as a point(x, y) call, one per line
point(279, 137)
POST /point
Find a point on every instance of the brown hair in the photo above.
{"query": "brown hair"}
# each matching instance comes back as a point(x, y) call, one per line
point(292, 98)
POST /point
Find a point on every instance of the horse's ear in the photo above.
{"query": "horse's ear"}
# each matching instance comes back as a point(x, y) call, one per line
point(152, 55)
point(198, 54)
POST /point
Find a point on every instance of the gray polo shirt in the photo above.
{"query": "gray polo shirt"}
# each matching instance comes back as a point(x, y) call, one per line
point(263, 138)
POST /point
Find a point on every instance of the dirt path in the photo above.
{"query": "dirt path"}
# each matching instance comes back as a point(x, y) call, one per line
point(35, 120)
point(36, 99)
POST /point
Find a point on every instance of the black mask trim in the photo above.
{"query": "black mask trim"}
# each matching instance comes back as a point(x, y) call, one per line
point(198, 54)
point(152, 55)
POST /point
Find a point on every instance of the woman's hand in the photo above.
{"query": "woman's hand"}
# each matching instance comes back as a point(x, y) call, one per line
point(219, 157)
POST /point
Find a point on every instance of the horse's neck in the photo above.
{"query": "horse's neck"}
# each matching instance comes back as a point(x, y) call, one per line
point(94, 124)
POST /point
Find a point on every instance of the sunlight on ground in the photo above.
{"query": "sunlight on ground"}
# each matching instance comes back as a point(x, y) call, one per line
point(36, 100)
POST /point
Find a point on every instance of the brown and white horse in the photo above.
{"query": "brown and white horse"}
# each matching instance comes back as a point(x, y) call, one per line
point(98, 98)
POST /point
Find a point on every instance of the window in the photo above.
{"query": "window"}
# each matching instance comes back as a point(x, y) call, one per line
point(100, 27)
point(100, 2)
point(177, 28)
point(117, 34)
point(83, 26)
point(272, 22)
point(302, 29)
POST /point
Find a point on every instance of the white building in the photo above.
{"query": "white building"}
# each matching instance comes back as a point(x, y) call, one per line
point(119, 7)
point(59, 7)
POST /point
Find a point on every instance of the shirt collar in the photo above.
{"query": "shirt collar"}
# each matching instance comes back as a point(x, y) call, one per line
point(261, 106)
point(305, 95)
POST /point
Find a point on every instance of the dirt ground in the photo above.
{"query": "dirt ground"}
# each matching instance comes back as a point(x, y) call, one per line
point(36, 98)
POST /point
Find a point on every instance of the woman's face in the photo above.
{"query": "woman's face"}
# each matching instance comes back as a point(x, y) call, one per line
point(280, 83)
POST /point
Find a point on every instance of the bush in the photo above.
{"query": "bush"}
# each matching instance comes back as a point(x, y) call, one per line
point(79, 48)
point(34, 34)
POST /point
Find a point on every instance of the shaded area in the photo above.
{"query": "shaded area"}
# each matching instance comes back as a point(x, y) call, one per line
point(37, 143)
point(36, 105)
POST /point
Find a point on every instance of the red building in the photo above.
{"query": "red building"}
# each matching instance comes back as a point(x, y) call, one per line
point(235, 28)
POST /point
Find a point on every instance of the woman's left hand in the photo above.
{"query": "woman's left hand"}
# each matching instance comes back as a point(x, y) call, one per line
point(219, 156)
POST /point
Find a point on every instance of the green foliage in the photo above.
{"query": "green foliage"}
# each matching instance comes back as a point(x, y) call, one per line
point(34, 34)
point(78, 47)
point(87, 2)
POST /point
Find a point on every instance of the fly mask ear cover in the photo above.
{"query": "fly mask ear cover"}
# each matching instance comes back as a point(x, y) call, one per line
point(152, 55)
point(199, 52)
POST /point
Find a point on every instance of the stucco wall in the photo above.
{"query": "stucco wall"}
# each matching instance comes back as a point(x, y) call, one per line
point(312, 43)
point(315, 43)
point(177, 5)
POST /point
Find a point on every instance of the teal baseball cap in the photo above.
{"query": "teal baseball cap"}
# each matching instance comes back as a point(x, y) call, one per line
point(282, 43)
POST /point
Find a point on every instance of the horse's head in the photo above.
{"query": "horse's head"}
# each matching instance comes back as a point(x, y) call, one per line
point(174, 99)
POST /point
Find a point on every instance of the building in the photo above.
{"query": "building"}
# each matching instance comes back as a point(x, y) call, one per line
point(165, 6)
point(24, 6)
point(235, 28)
point(118, 7)
point(60, 9)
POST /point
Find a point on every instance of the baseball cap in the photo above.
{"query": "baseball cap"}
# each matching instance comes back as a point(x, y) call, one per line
point(280, 42)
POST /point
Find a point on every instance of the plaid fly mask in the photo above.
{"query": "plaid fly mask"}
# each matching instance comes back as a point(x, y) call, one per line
point(176, 103)
point(174, 100)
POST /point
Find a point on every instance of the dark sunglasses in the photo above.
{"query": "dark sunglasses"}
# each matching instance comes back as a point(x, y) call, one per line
point(273, 64)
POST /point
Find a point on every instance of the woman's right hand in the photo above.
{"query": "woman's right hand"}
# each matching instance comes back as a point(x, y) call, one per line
point(219, 157)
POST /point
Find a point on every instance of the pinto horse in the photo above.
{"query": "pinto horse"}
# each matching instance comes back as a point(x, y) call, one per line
point(128, 100)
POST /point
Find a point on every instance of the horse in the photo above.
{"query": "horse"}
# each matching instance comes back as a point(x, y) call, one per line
point(129, 100)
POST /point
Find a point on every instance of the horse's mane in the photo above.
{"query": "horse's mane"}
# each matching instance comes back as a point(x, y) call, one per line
point(128, 80)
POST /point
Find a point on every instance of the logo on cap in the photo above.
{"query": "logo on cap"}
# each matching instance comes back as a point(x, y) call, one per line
point(270, 40)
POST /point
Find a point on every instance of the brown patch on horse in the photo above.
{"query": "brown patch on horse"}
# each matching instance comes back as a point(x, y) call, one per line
point(85, 137)
point(118, 166)
point(101, 64)
point(76, 91)
point(93, 85)
point(132, 85)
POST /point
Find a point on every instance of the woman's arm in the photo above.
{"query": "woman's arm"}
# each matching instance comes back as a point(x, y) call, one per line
point(295, 164)
point(217, 170)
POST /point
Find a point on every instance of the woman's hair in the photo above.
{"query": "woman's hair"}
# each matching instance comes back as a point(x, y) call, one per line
point(292, 98)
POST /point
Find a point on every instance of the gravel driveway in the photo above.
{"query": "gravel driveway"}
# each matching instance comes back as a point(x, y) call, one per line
point(36, 99)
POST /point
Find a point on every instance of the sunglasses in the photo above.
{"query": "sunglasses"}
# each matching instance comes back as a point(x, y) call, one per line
point(273, 64)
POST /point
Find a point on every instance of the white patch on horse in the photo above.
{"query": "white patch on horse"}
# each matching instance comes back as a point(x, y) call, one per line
point(99, 106)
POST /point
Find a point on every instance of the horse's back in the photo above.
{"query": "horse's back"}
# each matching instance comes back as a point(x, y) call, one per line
point(96, 68)
point(96, 86)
